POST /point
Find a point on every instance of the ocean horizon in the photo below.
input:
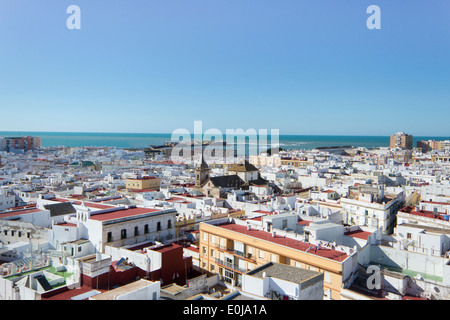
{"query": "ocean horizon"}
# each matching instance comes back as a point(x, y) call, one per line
point(144, 140)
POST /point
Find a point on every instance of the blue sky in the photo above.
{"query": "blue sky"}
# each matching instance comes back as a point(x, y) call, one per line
point(303, 67)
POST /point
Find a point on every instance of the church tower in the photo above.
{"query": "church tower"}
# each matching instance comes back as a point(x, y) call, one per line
point(201, 173)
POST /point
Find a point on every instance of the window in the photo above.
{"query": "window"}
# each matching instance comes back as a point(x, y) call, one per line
point(408, 235)
point(229, 275)
point(136, 231)
point(169, 224)
point(12, 233)
point(19, 233)
point(5, 232)
point(146, 229)
point(205, 236)
point(326, 277)
point(261, 254)
point(79, 249)
point(109, 237)
point(212, 252)
point(28, 235)
point(123, 233)
point(158, 226)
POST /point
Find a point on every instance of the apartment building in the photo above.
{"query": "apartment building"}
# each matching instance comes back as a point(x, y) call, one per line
point(401, 140)
point(423, 231)
point(430, 145)
point(371, 207)
point(118, 226)
point(231, 248)
point(19, 143)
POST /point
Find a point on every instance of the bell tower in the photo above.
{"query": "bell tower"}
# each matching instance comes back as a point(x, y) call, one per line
point(201, 173)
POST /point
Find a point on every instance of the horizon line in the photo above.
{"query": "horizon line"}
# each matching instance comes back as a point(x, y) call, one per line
point(162, 133)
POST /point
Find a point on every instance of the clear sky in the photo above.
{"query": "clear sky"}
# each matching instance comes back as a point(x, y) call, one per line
point(303, 67)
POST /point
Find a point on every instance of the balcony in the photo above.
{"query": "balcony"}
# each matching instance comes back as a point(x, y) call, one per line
point(223, 248)
point(248, 256)
point(230, 265)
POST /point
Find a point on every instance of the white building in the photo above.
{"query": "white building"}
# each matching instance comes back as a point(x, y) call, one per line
point(283, 282)
point(7, 199)
point(371, 207)
point(138, 290)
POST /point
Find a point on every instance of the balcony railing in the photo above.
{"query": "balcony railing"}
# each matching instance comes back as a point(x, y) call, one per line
point(223, 248)
point(230, 265)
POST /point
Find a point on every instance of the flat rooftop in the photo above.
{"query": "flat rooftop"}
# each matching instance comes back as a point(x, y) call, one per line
point(287, 242)
point(358, 234)
point(426, 228)
point(422, 213)
point(283, 272)
point(13, 213)
point(122, 213)
point(112, 294)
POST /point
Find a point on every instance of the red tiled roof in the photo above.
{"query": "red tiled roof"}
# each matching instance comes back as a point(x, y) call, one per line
point(122, 214)
point(28, 206)
point(19, 212)
point(67, 295)
point(422, 213)
point(263, 211)
point(358, 234)
point(288, 242)
point(66, 224)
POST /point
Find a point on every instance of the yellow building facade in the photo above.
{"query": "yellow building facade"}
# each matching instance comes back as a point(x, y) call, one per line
point(144, 183)
point(231, 251)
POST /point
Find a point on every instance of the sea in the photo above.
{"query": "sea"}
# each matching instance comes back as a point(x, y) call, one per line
point(144, 140)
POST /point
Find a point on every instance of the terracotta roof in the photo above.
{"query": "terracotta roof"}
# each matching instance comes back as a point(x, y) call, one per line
point(122, 214)
point(6, 214)
point(422, 213)
point(358, 234)
point(66, 224)
point(287, 242)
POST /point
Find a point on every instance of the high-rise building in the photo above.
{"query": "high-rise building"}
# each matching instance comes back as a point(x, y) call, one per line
point(401, 140)
point(19, 143)
point(430, 145)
